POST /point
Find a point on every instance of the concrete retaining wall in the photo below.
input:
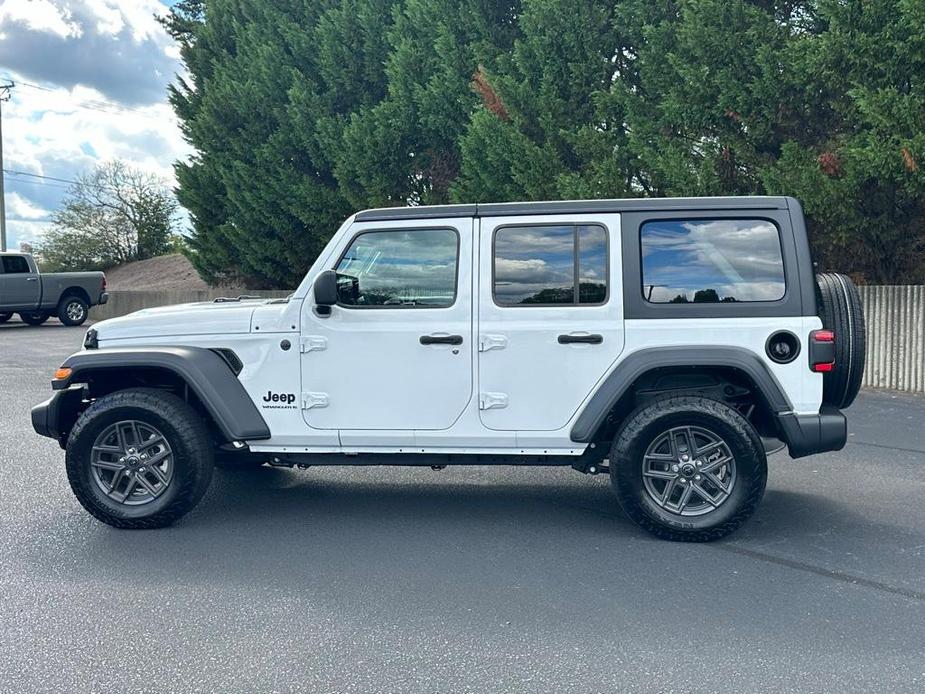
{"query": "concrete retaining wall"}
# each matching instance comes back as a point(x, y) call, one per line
point(895, 327)
point(124, 302)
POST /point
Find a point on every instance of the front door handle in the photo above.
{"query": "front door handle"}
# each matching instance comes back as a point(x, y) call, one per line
point(581, 339)
point(32, 279)
point(441, 339)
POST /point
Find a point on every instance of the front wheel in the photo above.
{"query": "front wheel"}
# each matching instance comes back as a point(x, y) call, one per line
point(139, 458)
point(34, 317)
point(688, 468)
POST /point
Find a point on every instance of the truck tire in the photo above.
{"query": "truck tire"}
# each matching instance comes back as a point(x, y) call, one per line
point(688, 468)
point(4, 317)
point(139, 458)
point(34, 317)
point(72, 310)
point(841, 312)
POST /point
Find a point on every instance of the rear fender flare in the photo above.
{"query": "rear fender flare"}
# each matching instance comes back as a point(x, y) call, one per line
point(637, 364)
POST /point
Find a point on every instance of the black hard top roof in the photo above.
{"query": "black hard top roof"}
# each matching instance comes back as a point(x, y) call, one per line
point(500, 209)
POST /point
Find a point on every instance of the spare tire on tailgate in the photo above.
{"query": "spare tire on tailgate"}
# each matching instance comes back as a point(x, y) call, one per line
point(839, 306)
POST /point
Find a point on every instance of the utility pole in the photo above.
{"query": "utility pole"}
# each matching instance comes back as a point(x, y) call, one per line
point(4, 96)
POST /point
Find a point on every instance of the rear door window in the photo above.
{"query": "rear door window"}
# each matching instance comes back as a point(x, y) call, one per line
point(550, 265)
point(711, 261)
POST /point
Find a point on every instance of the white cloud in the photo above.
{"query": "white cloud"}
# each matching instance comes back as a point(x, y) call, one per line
point(39, 16)
point(83, 96)
point(19, 208)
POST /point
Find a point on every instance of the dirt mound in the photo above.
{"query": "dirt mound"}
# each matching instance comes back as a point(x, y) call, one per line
point(164, 272)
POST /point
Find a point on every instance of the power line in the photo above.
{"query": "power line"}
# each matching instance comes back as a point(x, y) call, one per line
point(45, 178)
point(56, 182)
point(90, 105)
point(43, 184)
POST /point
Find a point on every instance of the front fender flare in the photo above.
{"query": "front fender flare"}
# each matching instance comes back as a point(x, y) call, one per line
point(206, 373)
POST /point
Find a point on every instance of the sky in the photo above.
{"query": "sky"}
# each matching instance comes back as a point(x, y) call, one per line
point(91, 78)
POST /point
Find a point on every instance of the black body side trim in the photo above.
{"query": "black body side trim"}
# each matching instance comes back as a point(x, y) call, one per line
point(204, 371)
point(638, 363)
point(814, 433)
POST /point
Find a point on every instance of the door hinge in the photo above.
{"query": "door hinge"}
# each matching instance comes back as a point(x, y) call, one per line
point(492, 401)
point(313, 343)
point(487, 342)
point(310, 400)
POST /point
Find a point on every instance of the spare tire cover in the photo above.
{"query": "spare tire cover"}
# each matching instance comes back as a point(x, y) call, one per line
point(840, 310)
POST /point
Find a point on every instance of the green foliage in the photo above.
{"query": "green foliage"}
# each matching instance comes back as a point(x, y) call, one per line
point(115, 214)
point(302, 111)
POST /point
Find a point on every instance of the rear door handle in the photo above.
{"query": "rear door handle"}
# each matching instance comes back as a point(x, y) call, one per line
point(441, 339)
point(581, 339)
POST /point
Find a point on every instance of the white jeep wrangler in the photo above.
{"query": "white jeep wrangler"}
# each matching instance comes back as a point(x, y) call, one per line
point(671, 342)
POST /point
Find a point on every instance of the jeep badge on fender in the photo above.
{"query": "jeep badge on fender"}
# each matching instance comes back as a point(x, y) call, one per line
point(287, 398)
point(673, 343)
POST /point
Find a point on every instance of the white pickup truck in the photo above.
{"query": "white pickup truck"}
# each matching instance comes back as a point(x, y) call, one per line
point(36, 296)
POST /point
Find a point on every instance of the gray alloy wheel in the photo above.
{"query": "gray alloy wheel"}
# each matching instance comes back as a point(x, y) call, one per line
point(73, 310)
point(132, 462)
point(139, 458)
point(689, 470)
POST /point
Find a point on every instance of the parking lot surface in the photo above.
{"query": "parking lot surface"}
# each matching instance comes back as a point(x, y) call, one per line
point(473, 579)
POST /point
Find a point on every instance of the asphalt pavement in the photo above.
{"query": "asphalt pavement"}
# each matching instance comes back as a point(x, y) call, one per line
point(470, 579)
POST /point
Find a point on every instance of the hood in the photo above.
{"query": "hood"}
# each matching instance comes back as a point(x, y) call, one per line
point(206, 318)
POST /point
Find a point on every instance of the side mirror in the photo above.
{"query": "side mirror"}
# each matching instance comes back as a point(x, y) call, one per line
point(326, 289)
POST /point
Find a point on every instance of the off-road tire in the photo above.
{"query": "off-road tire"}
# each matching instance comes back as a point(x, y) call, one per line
point(4, 317)
point(645, 425)
point(73, 310)
point(840, 310)
point(186, 434)
point(34, 317)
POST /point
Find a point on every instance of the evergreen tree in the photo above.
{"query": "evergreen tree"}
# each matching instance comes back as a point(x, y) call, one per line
point(301, 111)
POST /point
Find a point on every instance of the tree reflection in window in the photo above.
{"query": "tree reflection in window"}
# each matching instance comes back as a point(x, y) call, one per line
point(400, 268)
point(537, 265)
point(711, 261)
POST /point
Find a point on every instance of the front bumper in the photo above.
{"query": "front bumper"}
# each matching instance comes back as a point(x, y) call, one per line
point(55, 417)
point(814, 433)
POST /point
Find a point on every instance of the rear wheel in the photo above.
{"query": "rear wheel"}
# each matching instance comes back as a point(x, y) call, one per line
point(34, 317)
point(841, 312)
point(4, 317)
point(72, 310)
point(139, 458)
point(688, 468)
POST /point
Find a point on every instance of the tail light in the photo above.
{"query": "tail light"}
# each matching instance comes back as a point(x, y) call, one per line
point(821, 351)
point(103, 288)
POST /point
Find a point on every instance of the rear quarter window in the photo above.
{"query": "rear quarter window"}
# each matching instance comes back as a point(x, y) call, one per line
point(711, 261)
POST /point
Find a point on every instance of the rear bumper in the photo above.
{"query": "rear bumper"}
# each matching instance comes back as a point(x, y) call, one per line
point(55, 417)
point(814, 433)
point(104, 297)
